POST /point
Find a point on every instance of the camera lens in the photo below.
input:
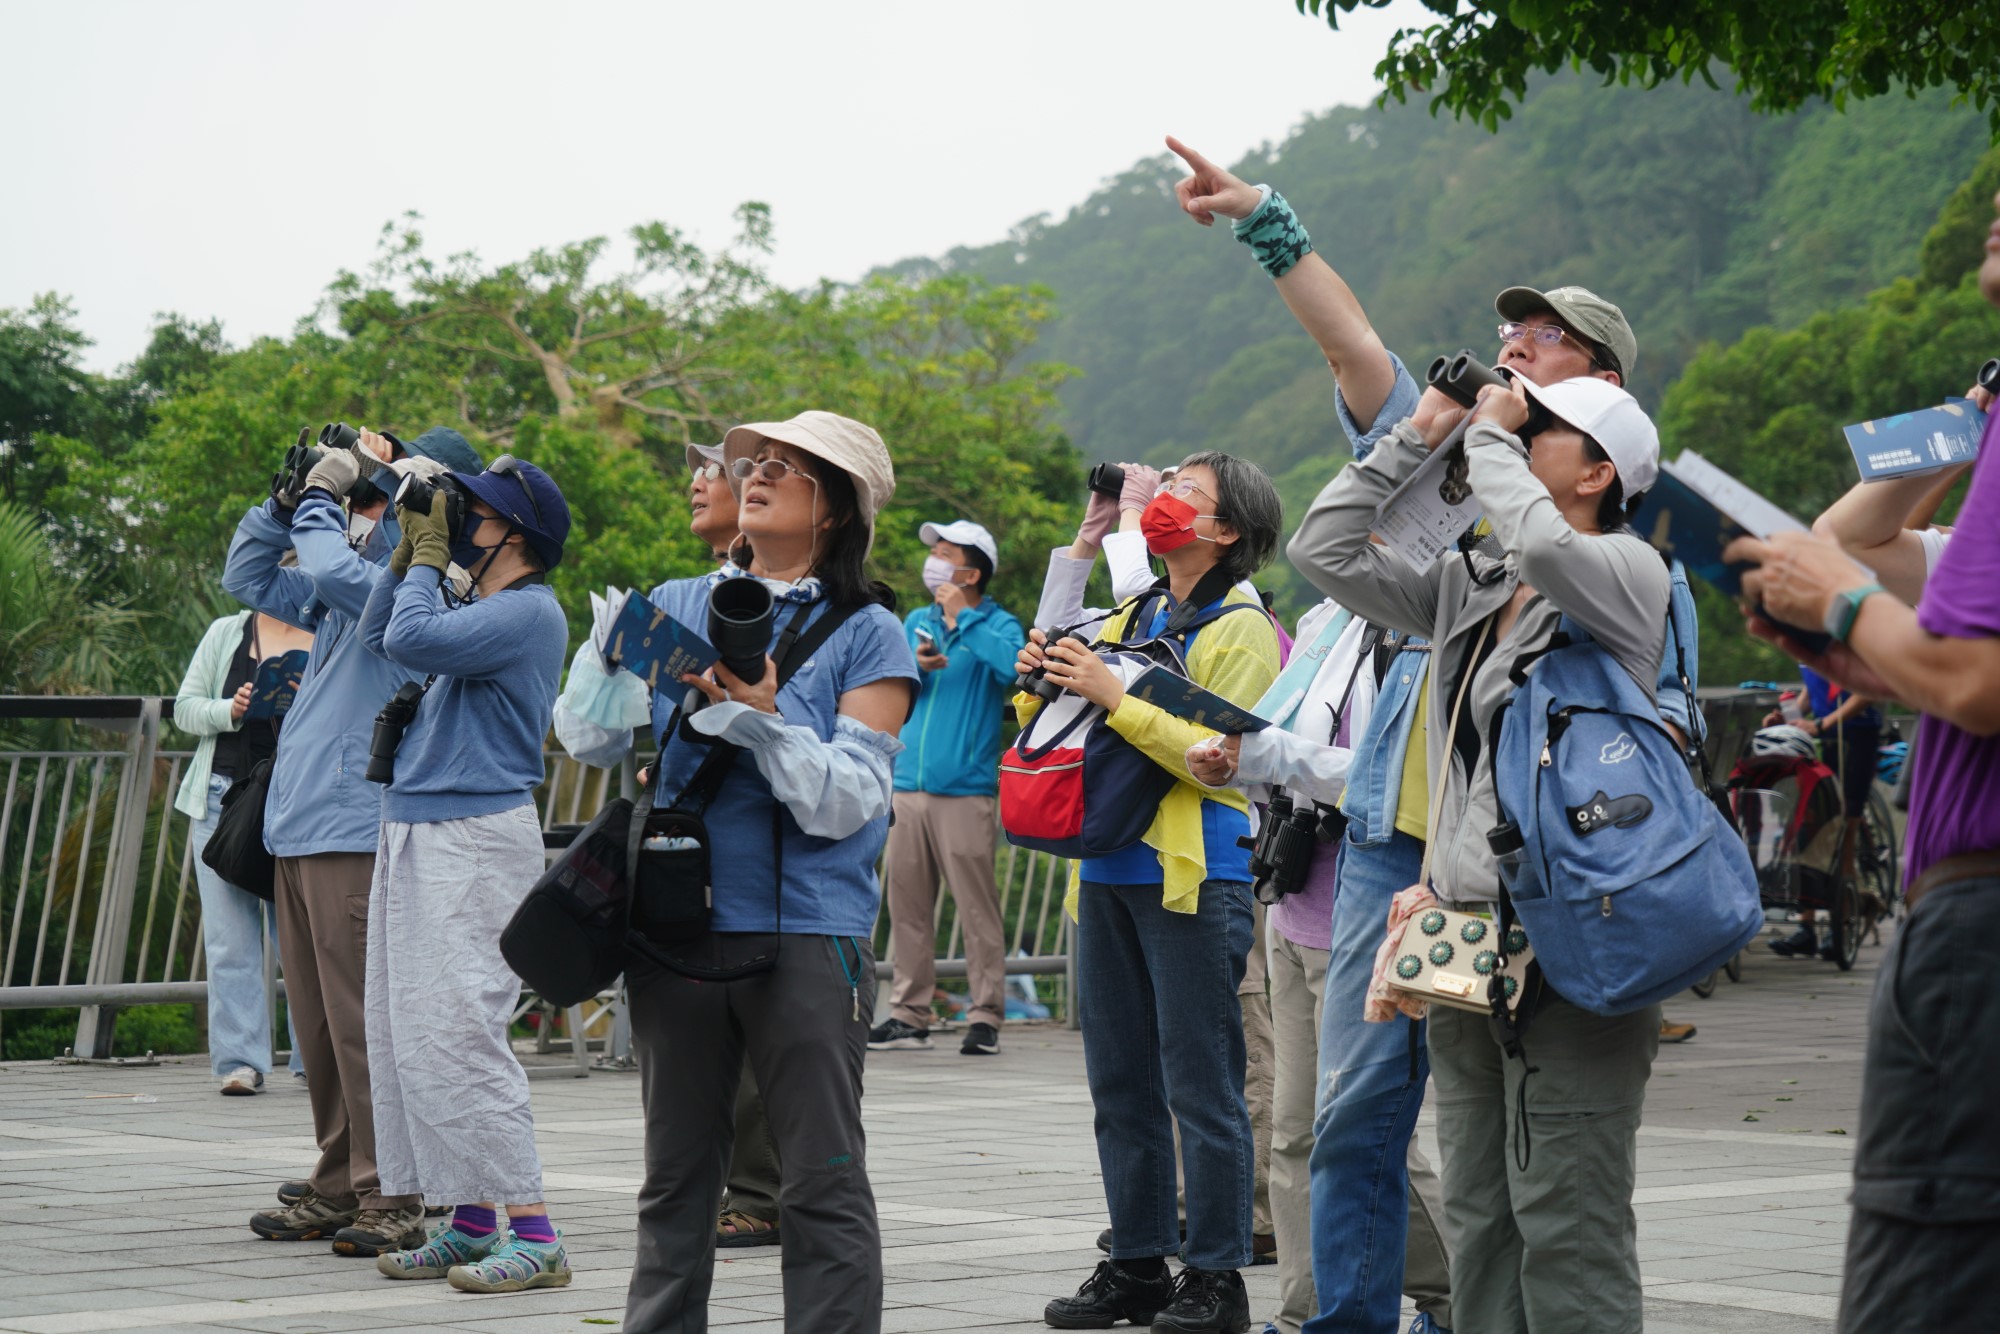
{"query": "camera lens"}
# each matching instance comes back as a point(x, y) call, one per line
point(739, 625)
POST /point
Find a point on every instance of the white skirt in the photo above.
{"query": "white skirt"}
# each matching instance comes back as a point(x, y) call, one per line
point(452, 1120)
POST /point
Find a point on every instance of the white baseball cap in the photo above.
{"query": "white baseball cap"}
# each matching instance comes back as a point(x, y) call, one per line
point(964, 533)
point(698, 455)
point(1611, 417)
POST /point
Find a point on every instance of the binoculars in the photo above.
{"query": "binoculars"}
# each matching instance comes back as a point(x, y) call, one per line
point(1461, 377)
point(419, 495)
point(1282, 851)
point(1037, 682)
point(387, 737)
point(739, 626)
point(1989, 377)
point(1107, 479)
point(289, 482)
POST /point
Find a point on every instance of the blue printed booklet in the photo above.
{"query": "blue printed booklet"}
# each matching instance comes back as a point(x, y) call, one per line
point(630, 632)
point(1696, 509)
point(1184, 699)
point(1911, 444)
point(276, 684)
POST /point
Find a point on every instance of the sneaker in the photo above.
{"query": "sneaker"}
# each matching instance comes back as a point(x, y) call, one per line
point(376, 1232)
point(895, 1035)
point(447, 1247)
point(310, 1219)
point(242, 1082)
point(1109, 1295)
point(1423, 1324)
point(980, 1040)
point(1801, 944)
point(514, 1266)
point(1206, 1301)
point(1673, 1032)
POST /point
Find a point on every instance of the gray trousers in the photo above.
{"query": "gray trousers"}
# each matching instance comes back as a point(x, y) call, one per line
point(1298, 988)
point(1554, 1247)
point(805, 1032)
point(753, 1157)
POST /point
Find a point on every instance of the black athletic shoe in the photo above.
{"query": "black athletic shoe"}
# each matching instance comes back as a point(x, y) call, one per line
point(1109, 1295)
point(980, 1040)
point(1801, 944)
point(1206, 1301)
point(895, 1035)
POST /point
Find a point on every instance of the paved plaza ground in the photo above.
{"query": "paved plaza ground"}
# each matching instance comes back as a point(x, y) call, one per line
point(124, 1191)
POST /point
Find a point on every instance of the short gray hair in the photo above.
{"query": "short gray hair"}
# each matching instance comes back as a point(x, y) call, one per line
point(1247, 502)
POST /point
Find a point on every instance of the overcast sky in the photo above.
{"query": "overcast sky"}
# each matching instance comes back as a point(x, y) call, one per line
point(227, 159)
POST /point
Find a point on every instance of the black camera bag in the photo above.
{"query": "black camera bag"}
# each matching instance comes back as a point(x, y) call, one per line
point(236, 850)
point(606, 897)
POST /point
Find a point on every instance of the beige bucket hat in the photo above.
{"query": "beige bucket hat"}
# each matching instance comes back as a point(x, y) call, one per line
point(847, 444)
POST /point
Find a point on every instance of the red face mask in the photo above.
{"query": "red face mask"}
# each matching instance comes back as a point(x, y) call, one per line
point(1168, 523)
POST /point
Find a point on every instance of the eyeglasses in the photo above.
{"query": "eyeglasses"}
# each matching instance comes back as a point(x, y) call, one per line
point(770, 470)
point(509, 466)
point(709, 471)
point(1184, 487)
point(1548, 335)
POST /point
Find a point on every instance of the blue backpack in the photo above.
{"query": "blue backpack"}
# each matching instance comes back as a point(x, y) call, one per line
point(1628, 880)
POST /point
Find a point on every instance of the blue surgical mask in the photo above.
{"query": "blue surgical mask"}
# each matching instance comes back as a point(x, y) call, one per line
point(470, 555)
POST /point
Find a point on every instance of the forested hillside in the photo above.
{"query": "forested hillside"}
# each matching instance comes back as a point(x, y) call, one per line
point(1701, 219)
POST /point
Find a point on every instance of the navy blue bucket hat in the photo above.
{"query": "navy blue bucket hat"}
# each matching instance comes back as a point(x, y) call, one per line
point(527, 498)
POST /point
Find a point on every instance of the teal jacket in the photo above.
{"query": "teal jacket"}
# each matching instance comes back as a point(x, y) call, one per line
point(952, 740)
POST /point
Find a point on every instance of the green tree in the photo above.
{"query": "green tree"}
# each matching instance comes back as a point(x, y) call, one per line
point(43, 391)
point(1477, 60)
point(56, 637)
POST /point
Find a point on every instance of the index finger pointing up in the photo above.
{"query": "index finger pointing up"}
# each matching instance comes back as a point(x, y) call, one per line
point(1196, 162)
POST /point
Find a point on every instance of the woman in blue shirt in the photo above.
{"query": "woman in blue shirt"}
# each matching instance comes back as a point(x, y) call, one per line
point(817, 762)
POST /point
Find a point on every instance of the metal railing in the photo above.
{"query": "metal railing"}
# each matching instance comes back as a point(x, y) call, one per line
point(99, 908)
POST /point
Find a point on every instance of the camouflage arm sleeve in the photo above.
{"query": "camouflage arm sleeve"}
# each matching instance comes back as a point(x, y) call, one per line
point(1275, 236)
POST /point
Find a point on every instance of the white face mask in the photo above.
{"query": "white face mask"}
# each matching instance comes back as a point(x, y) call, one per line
point(937, 572)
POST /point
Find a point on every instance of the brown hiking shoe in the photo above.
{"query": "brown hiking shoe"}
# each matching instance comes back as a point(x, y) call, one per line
point(379, 1231)
point(310, 1219)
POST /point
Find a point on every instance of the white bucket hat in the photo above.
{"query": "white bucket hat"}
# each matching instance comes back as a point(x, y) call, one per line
point(700, 455)
point(847, 444)
point(964, 533)
point(1611, 417)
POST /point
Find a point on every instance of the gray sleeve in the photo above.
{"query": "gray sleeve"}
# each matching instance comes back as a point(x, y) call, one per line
point(1613, 584)
point(1332, 548)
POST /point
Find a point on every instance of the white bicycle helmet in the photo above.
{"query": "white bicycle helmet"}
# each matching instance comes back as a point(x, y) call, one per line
point(1783, 740)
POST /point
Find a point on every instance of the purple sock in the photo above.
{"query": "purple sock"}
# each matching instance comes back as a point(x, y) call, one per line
point(474, 1220)
point(534, 1227)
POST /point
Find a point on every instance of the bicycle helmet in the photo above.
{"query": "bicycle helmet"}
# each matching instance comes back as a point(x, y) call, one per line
point(1783, 740)
point(1889, 763)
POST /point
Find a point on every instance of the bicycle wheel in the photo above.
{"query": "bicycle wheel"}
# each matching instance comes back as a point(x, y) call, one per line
point(1734, 967)
point(1875, 860)
point(1706, 987)
point(1848, 924)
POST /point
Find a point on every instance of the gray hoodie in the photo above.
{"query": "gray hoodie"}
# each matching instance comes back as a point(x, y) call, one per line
point(1615, 586)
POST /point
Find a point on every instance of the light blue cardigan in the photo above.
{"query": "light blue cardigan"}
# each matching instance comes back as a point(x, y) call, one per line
point(197, 709)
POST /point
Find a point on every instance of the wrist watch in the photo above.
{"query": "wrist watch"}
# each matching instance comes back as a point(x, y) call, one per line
point(1845, 608)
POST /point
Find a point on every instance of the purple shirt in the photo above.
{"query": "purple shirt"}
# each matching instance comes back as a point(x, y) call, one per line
point(1306, 916)
point(1955, 791)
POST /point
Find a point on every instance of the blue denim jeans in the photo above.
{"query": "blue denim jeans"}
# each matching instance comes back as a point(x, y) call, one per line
point(1366, 1109)
point(233, 925)
point(1163, 1043)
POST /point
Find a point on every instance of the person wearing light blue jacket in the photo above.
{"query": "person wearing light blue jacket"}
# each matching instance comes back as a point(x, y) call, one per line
point(946, 788)
point(322, 820)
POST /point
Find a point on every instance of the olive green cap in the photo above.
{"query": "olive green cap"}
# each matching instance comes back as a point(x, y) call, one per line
point(1581, 311)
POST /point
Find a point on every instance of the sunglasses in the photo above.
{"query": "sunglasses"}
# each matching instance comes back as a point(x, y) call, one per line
point(509, 466)
point(770, 470)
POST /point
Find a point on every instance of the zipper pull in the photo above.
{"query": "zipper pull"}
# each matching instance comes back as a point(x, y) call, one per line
point(1545, 753)
point(1605, 908)
point(855, 992)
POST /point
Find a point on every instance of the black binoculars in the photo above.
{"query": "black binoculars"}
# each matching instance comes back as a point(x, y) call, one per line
point(1107, 479)
point(1989, 377)
point(289, 482)
point(1037, 682)
point(387, 738)
point(739, 626)
point(1282, 851)
point(1461, 377)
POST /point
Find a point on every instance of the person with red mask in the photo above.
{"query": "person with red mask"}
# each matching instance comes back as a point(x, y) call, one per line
point(1165, 928)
